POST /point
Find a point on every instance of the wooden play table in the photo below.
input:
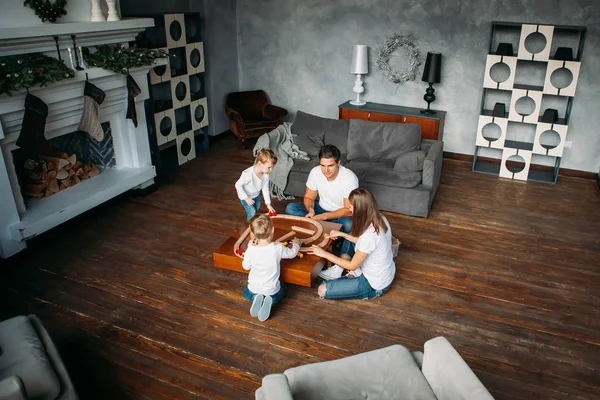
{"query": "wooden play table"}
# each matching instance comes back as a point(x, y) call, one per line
point(299, 271)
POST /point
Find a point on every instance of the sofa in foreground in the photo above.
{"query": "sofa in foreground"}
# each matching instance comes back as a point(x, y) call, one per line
point(390, 159)
point(30, 366)
point(391, 373)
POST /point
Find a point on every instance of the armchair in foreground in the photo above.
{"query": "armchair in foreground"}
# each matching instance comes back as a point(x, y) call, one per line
point(30, 366)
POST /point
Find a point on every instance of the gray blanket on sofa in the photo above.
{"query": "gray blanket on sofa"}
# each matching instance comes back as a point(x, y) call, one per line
point(280, 140)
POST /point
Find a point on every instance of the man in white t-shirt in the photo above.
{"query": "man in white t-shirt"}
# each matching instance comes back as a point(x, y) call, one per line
point(333, 183)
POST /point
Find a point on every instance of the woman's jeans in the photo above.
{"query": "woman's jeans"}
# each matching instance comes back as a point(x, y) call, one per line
point(346, 288)
point(251, 210)
point(299, 210)
point(277, 297)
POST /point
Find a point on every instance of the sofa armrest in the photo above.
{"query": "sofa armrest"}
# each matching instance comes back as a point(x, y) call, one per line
point(273, 112)
point(449, 375)
point(12, 388)
point(432, 167)
point(274, 387)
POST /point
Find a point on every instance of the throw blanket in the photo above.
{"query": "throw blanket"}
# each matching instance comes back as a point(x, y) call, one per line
point(281, 142)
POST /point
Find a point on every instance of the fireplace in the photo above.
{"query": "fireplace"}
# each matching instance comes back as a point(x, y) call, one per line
point(125, 166)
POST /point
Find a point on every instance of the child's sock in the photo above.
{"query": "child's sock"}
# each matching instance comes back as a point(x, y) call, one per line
point(256, 304)
point(265, 310)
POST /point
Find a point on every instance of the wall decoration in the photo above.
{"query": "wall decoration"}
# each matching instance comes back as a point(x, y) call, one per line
point(46, 10)
point(406, 42)
point(28, 70)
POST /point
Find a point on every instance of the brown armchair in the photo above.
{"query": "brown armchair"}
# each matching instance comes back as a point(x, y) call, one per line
point(251, 115)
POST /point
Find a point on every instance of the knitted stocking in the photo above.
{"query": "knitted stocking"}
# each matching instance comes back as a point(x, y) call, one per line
point(31, 140)
point(90, 123)
point(132, 91)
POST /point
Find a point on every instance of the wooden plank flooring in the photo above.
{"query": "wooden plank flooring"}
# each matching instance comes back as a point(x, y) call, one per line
point(507, 271)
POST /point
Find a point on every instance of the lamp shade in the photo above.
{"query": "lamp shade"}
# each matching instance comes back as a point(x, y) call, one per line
point(433, 68)
point(360, 63)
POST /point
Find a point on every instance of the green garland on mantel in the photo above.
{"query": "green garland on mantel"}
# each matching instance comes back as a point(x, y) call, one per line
point(118, 58)
point(46, 10)
point(29, 70)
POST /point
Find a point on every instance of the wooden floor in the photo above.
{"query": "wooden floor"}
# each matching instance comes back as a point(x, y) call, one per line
point(508, 272)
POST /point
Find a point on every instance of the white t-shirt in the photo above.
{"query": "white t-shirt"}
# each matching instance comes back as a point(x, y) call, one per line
point(263, 263)
point(378, 267)
point(249, 185)
point(332, 194)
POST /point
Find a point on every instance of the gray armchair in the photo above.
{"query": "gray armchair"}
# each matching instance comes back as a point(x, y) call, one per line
point(389, 373)
point(30, 366)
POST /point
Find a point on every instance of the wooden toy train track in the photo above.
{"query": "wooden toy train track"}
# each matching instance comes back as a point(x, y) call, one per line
point(308, 231)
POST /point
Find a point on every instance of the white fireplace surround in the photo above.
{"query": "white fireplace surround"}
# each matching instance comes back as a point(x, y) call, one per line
point(21, 219)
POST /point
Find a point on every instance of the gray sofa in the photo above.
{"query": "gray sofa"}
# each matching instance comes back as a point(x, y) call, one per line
point(391, 373)
point(30, 366)
point(390, 159)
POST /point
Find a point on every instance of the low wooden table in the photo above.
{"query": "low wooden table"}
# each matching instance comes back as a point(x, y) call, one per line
point(299, 271)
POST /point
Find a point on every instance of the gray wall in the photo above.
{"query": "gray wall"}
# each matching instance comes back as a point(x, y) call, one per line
point(220, 47)
point(300, 52)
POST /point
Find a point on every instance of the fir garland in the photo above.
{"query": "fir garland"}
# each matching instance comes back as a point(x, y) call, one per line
point(117, 58)
point(28, 70)
point(47, 11)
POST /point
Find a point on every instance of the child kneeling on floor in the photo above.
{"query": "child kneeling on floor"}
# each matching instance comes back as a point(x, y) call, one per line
point(262, 258)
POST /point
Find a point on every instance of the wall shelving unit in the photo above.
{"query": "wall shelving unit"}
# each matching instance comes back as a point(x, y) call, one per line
point(527, 99)
point(177, 111)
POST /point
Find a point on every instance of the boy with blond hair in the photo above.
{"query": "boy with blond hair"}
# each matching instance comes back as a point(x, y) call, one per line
point(262, 258)
point(255, 180)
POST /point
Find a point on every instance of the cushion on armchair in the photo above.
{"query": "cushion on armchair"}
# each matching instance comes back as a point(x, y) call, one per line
point(388, 373)
point(249, 104)
point(382, 140)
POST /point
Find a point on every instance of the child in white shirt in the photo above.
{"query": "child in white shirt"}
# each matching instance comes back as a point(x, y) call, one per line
point(255, 180)
point(262, 258)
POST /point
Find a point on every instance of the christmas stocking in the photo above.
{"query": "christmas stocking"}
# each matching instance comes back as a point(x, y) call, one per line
point(132, 91)
point(90, 123)
point(31, 140)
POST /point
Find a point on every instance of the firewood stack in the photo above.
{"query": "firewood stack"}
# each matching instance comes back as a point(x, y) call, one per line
point(51, 174)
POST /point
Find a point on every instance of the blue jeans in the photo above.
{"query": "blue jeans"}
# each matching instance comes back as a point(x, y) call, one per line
point(277, 297)
point(251, 210)
point(299, 210)
point(346, 288)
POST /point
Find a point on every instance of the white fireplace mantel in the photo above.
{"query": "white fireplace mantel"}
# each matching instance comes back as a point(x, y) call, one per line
point(21, 219)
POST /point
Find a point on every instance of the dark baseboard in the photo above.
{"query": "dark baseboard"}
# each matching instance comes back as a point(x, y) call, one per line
point(561, 172)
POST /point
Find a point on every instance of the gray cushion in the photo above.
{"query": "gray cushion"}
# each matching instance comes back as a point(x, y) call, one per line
point(24, 356)
point(382, 173)
point(382, 140)
point(388, 373)
point(310, 143)
point(410, 162)
point(305, 165)
point(334, 131)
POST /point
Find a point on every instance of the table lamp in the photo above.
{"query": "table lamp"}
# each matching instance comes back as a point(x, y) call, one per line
point(431, 74)
point(360, 66)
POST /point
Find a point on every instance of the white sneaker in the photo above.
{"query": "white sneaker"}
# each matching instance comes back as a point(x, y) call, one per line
point(333, 272)
point(356, 273)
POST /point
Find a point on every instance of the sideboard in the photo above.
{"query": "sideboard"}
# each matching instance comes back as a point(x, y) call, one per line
point(432, 125)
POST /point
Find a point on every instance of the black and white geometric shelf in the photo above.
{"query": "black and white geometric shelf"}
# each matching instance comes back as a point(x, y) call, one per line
point(178, 105)
point(538, 85)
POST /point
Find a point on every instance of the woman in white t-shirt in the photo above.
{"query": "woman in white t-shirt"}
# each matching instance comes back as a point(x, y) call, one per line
point(372, 238)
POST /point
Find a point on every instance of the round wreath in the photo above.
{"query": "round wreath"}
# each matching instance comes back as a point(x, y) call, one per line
point(407, 42)
point(46, 10)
